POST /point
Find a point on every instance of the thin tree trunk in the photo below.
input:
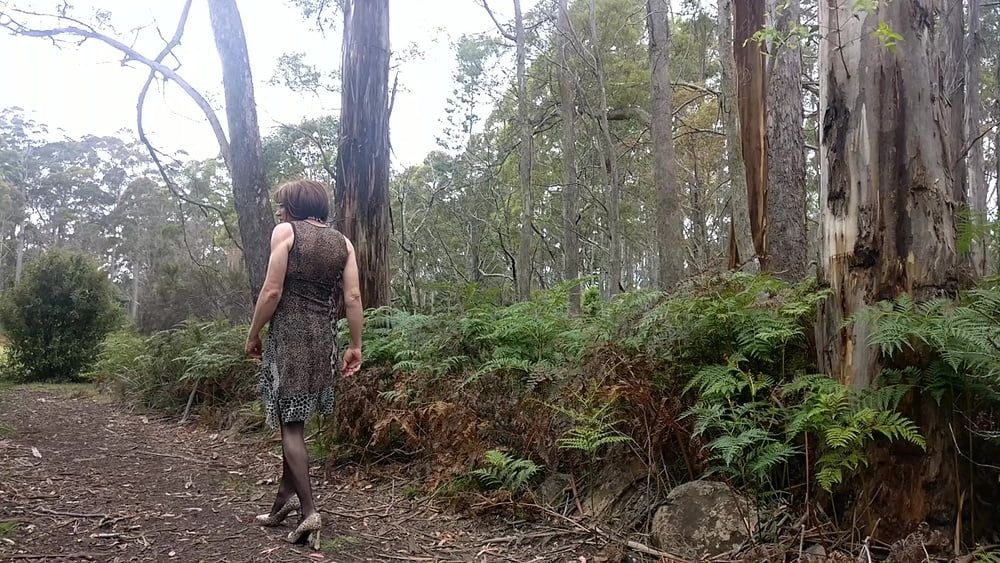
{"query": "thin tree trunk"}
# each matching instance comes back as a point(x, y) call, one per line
point(571, 189)
point(699, 221)
point(949, 36)
point(610, 162)
point(362, 194)
point(669, 217)
point(246, 165)
point(786, 151)
point(19, 252)
point(133, 310)
point(886, 198)
point(524, 250)
point(976, 163)
point(750, 92)
point(740, 242)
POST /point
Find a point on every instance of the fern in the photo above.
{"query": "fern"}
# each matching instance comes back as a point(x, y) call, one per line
point(503, 471)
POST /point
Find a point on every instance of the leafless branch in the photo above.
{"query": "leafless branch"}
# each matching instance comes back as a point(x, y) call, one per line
point(506, 34)
point(85, 32)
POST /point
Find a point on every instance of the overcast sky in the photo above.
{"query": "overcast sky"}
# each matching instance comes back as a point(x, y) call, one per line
point(86, 89)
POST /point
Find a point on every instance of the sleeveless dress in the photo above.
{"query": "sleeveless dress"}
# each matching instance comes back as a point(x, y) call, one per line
point(299, 366)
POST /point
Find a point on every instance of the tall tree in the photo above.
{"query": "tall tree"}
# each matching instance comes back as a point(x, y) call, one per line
point(786, 152)
point(750, 93)
point(571, 190)
point(886, 198)
point(973, 112)
point(609, 158)
point(362, 187)
point(740, 242)
point(524, 265)
point(253, 212)
point(669, 218)
point(246, 161)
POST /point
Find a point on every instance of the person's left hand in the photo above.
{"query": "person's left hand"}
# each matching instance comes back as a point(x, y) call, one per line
point(253, 346)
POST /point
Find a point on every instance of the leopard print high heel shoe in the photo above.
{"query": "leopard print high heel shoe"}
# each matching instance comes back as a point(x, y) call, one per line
point(272, 520)
point(308, 530)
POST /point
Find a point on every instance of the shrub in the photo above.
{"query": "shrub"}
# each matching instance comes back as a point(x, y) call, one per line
point(118, 360)
point(198, 362)
point(56, 317)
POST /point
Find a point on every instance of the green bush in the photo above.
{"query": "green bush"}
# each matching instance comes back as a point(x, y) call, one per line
point(198, 361)
point(118, 359)
point(56, 317)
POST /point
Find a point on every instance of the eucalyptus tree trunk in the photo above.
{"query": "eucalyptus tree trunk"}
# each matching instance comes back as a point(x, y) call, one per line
point(740, 243)
point(973, 108)
point(251, 196)
point(750, 97)
point(362, 184)
point(571, 189)
point(610, 159)
point(524, 262)
point(19, 251)
point(786, 150)
point(669, 217)
point(887, 200)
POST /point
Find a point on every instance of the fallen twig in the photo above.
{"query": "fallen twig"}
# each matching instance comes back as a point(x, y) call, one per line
point(86, 556)
point(71, 514)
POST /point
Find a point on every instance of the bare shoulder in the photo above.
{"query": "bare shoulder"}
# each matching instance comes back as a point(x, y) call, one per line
point(282, 233)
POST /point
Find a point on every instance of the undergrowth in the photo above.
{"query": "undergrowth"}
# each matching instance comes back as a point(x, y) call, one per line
point(716, 378)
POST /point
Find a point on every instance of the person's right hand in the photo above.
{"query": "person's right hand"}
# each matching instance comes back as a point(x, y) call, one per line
point(352, 361)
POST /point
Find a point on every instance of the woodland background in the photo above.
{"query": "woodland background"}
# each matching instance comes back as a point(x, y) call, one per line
point(746, 240)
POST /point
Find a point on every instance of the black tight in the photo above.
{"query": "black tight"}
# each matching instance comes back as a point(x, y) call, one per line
point(295, 469)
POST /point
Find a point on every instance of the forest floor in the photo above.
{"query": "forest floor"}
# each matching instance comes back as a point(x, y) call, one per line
point(82, 478)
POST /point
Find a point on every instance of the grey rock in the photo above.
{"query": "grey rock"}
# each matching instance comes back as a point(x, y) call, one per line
point(702, 518)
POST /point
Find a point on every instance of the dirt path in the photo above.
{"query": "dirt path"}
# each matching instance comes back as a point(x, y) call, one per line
point(82, 479)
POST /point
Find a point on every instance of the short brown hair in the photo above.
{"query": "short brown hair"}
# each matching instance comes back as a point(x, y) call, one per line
point(303, 199)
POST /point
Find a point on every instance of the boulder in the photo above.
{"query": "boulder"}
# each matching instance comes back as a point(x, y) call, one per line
point(702, 518)
point(553, 489)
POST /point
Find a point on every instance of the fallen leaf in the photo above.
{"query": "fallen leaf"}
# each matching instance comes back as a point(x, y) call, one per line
point(35, 452)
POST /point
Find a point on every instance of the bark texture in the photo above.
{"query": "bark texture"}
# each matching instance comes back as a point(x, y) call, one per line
point(750, 92)
point(361, 201)
point(251, 195)
point(786, 153)
point(669, 219)
point(887, 203)
point(740, 243)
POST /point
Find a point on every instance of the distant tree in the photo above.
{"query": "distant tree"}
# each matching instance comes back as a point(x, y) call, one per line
point(57, 315)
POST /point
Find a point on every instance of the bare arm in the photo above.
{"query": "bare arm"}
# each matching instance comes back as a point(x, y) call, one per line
point(274, 281)
point(354, 311)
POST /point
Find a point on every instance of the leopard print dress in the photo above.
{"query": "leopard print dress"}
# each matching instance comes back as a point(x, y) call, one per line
point(300, 367)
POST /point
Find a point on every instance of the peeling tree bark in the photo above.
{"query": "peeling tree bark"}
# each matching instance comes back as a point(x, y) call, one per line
point(750, 91)
point(740, 242)
point(786, 153)
point(571, 188)
point(887, 202)
point(246, 162)
point(362, 185)
point(669, 218)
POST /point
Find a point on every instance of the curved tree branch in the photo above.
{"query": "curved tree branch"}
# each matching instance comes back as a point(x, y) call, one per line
point(85, 32)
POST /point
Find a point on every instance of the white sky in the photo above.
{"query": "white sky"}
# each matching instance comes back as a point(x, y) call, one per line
point(86, 89)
